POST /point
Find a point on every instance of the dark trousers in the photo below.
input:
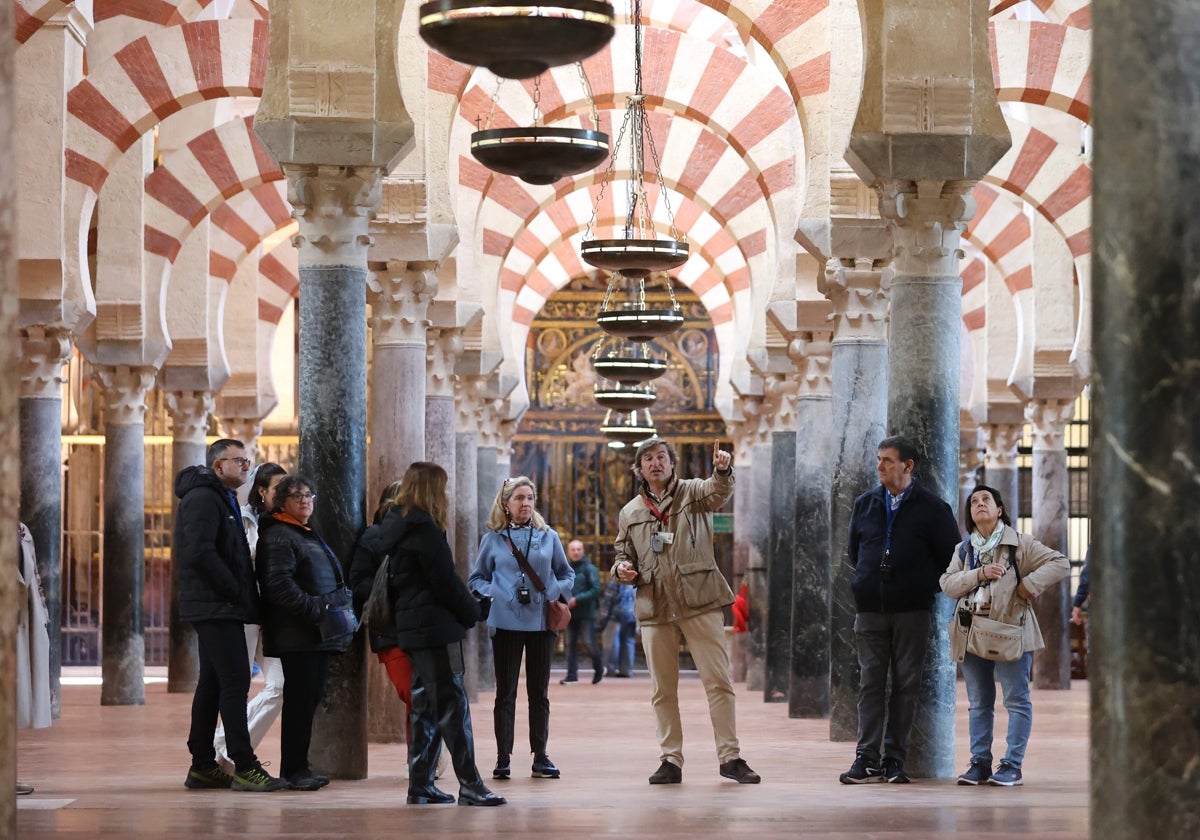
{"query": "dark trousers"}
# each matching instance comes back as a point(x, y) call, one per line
point(507, 648)
point(889, 644)
point(581, 629)
point(222, 686)
point(440, 712)
point(303, 687)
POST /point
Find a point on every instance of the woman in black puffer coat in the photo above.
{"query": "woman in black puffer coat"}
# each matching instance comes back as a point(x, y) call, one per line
point(433, 611)
point(297, 574)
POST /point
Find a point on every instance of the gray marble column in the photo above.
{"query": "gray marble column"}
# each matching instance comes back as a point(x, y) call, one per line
point(759, 514)
point(189, 412)
point(332, 204)
point(808, 683)
point(740, 648)
point(1000, 442)
point(858, 289)
point(1051, 664)
point(781, 541)
point(123, 646)
point(1145, 596)
point(466, 540)
point(489, 477)
point(44, 351)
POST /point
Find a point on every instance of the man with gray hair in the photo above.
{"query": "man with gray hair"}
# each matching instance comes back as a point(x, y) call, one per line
point(664, 547)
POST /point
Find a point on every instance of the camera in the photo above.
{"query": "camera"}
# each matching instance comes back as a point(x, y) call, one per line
point(885, 573)
point(523, 595)
point(964, 617)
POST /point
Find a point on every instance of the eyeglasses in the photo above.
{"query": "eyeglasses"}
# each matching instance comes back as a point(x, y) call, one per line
point(243, 463)
point(302, 497)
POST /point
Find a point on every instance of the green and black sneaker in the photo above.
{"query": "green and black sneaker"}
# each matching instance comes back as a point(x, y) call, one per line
point(211, 779)
point(257, 780)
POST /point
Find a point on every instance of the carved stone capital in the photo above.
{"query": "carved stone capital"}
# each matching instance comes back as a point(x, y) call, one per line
point(496, 430)
point(1049, 419)
point(399, 295)
point(929, 218)
point(333, 206)
point(441, 350)
point(750, 430)
point(44, 350)
point(813, 358)
point(125, 388)
point(189, 412)
point(1000, 442)
point(246, 429)
point(469, 397)
point(779, 402)
point(859, 290)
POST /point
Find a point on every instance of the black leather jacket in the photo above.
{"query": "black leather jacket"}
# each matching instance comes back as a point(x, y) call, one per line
point(295, 572)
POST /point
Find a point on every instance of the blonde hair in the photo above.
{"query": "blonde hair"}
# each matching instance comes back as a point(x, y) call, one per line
point(387, 501)
point(498, 519)
point(424, 488)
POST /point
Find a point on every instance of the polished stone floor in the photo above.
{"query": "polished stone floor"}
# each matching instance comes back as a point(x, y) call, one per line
point(117, 772)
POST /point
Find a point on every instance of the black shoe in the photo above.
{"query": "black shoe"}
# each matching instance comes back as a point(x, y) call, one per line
point(599, 675)
point(503, 770)
point(212, 779)
point(977, 774)
point(666, 774)
point(306, 780)
point(863, 770)
point(476, 794)
point(893, 772)
point(256, 780)
point(428, 795)
point(566, 680)
point(740, 772)
point(543, 768)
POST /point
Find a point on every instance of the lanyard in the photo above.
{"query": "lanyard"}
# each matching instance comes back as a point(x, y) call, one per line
point(891, 516)
point(660, 515)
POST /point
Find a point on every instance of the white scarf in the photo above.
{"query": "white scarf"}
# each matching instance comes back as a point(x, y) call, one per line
point(985, 547)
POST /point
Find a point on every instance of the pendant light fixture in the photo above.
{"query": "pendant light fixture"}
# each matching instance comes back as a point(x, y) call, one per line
point(628, 427)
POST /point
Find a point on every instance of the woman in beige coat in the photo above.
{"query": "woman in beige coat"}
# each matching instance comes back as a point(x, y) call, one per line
point(996, 573)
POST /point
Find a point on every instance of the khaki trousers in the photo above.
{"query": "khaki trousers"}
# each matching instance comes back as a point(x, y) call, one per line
point(705, 635)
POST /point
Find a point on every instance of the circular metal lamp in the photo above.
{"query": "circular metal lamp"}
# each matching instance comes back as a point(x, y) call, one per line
point(621, 398)
point(539, 155)
point(516, 40)
point(630, 427)
point(627, 362)
point(634, 257)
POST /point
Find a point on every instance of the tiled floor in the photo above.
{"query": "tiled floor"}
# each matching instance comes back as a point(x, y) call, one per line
point(117, 772)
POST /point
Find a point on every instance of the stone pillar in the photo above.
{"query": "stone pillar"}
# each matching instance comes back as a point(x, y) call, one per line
point(758, 513)
point(858, 289)
point(1145, 606)
point(808, 682)
point(189, 412)
point(44, 351)
point(246, 429)
point(970, 462)
point(1000, 442)
point(9, 423)
point(780, 395)
point(466, 540)
point(1051, 664)
point(488, 477)
point(742, 528)
point(123, 647)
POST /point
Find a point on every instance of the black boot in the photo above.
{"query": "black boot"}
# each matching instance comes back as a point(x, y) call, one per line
point(428, 795)
point(476, 794)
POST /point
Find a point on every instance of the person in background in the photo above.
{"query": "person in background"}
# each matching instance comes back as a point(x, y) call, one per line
point(33, 645)
point(584, 597)
point(664, 547)
point(297, 571)
point(517, 619)
point(900, 536)
point(615, 619)
point(1083, 592)
point(219, 596)
point(264, 709)
point(434, 610)
point(1003, 572)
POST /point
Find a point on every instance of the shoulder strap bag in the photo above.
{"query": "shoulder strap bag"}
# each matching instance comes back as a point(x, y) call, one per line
point(558, 614)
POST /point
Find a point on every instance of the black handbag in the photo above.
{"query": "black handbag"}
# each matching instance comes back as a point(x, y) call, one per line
point(338, 622)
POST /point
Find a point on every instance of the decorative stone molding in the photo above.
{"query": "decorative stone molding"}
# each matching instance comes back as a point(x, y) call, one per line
point(859, 289)
point(44, 350)
point(125, 388)
point(496, 430)
point(1049, 419)
point(442, 348)
point(469, 398)
point(812, 354)
point(751, 430)
point(779, 402)
point(929, 218)
point(334, 206)
point(399, 296)
point(404, 202)
point(246, 429)
point(189, 412)
point(1000, 442)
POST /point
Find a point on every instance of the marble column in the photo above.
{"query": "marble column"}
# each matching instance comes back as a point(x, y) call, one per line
point(970, 463)
point(189, 412)
point(440, 415)
point(466, 541)
point(489, 476)
point(332, 205)
point(1049, 418)
point(1145, 596)
point(1000, 442)
point(858, 289)
point(9, 426)
point(399, 294)
point(808, 683)
point(123, 647)
point(742, 529)
point(759, 511)
point(44, 351)
point(781, 540)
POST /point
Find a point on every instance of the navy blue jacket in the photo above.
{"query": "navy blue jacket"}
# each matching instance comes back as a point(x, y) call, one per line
point(924, 535)
point(216, 573)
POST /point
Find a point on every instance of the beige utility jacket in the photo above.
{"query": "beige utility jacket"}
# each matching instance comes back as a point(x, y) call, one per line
point(682, 580)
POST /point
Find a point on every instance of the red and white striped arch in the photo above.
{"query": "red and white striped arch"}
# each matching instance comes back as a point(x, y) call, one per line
point(166, 13)
point(241, 224)
point(1043, 64)
point(147, 80)
point(278, 283)
point(30, 15)
point(1002, 232)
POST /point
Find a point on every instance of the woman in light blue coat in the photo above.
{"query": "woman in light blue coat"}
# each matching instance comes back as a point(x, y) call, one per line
point(517, 619)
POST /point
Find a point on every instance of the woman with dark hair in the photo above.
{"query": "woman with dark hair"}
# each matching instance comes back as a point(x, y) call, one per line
point(264, 708)
point(517, 619)
point(997, 572)
point(297, 574)
point(433, 610)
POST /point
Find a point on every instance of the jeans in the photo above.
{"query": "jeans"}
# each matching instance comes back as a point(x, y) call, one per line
point(264, 709)
point(624, 641)
point(585, 627)
point(222, 686)
point(980, 676)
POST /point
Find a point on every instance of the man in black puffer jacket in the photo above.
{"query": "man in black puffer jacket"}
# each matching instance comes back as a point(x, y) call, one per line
point(219, 596)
